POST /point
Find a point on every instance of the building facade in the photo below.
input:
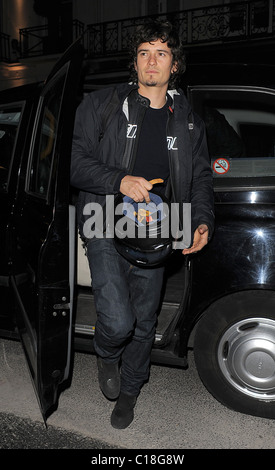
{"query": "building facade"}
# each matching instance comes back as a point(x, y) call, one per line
point(34, 33)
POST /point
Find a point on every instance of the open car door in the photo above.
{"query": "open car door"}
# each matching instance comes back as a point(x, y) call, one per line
point(39, 240)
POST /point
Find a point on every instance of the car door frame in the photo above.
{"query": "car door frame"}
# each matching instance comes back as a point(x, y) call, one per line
point(43, 294)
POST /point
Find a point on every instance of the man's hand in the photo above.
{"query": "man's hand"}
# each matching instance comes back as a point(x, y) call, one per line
point(136, 188)
point(200, 240)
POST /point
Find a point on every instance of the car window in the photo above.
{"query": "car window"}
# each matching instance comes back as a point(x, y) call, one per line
point(42, 151)
point(240, 128)
point(10, 115)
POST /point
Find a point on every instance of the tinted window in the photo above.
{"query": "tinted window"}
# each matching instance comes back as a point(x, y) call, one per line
point(240, 127)
point(42, 163)
point(9, 123)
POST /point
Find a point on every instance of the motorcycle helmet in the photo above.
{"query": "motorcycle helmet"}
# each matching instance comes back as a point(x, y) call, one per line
point(142, 230)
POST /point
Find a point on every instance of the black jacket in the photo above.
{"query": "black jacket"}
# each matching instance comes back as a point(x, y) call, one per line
point(101, 157)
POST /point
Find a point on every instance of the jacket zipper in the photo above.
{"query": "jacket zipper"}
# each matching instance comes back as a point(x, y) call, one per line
point(134, 142)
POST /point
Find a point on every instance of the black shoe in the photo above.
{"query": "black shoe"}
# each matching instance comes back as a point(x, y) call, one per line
point(123, 412)
point(109, 378)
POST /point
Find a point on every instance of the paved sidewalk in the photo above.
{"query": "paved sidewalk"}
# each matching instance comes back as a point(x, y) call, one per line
point(174, 411)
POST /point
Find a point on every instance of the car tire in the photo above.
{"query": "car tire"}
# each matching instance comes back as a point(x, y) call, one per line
point(234, 350)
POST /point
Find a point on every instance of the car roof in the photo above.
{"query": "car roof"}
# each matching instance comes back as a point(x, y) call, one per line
point(261, 75)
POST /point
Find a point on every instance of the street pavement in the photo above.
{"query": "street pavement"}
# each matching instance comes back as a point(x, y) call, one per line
point(174, 411)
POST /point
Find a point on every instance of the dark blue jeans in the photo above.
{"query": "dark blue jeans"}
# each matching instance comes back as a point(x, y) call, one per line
point(126, 299)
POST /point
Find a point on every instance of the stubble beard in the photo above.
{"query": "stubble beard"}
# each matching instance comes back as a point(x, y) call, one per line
point(151, 83)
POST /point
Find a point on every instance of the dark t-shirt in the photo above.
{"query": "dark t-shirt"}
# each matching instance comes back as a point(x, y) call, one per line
point(152, 153)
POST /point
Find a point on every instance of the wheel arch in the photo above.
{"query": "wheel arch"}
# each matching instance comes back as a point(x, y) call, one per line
point(241, 298)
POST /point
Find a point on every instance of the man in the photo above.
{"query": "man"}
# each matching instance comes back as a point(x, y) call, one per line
point(124, 157)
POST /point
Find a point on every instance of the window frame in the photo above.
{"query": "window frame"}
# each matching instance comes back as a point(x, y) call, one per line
point(12, 104)
point(36, 134)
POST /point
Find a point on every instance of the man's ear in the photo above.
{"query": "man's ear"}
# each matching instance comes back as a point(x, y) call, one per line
point(174, 67)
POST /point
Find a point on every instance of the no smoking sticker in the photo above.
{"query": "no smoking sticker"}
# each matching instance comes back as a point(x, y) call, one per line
point(221, 166)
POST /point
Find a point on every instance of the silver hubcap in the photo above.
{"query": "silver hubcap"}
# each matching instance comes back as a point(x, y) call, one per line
point(246, 356)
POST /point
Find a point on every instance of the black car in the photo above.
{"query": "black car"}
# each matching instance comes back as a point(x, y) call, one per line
point(220, 302)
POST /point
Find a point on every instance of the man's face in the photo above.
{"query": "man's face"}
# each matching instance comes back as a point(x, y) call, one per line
point(154, 64)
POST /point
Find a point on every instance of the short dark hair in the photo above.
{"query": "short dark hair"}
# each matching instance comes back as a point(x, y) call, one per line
point(152, 31)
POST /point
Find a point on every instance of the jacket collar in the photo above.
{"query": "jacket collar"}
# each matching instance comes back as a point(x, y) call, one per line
point(130, 91)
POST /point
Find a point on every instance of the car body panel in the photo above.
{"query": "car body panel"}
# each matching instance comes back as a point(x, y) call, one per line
point(240, 256)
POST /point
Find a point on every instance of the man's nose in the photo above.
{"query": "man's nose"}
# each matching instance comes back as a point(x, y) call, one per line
point(152, 59)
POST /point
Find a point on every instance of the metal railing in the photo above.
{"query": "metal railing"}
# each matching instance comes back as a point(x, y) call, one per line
point(240, 21)
point(36, 41)
point(222, 23)
point(5, 55)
